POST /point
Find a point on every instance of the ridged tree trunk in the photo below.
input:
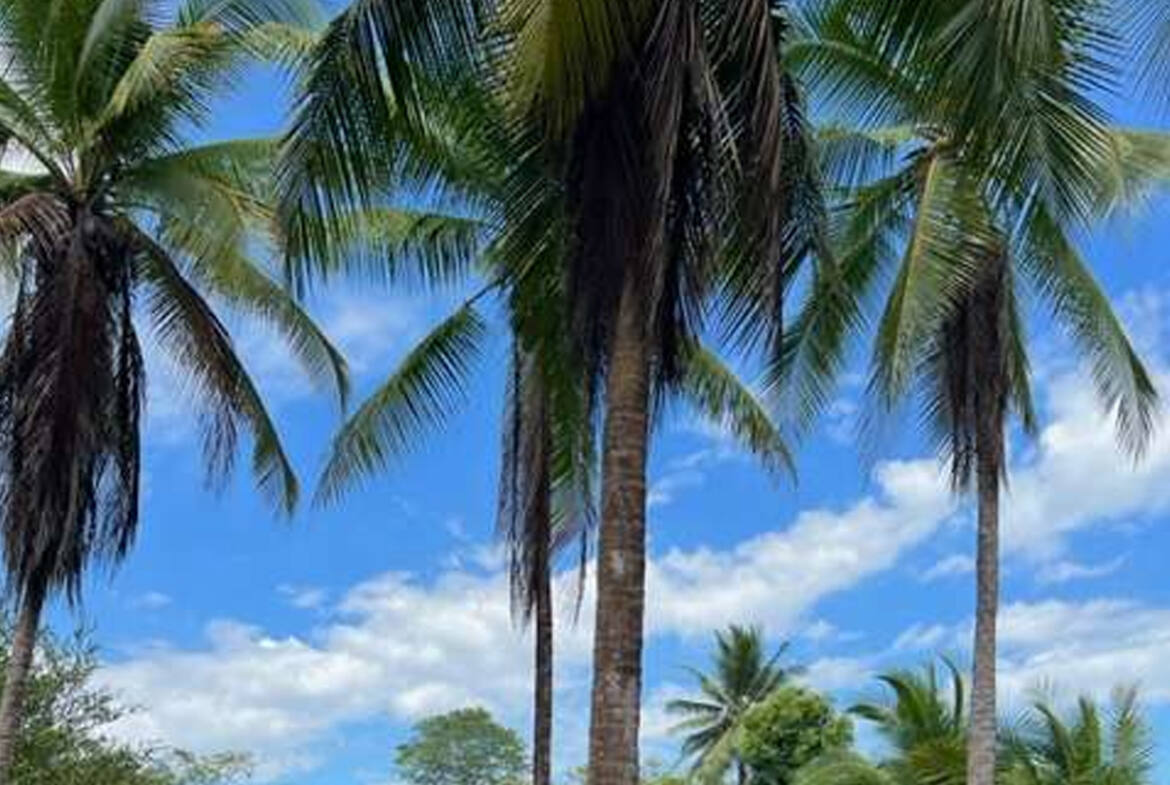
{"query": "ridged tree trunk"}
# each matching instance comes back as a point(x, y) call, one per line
point(990, 396)
point(621, 560)
point(542, 710)
point(981, 752)
point(24, 639)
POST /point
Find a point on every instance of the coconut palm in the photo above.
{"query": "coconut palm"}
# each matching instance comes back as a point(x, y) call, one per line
point(110, 216)
point(743, 677)
point(1088, 744)
point(967, 214)
point(494, 210)
point(923, 721)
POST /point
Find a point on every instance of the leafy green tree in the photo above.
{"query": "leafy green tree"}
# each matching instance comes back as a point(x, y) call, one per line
point(113, 217)
point(791, 728)
point(62, 737)
point(463, 747)
point(744, 676)
point(980, 151)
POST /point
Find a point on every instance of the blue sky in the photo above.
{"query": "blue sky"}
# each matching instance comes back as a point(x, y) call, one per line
point(315, 644)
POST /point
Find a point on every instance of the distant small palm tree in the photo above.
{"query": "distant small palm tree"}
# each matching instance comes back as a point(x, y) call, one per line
point(1083, 747)
point(925, 725)
point(744, 676)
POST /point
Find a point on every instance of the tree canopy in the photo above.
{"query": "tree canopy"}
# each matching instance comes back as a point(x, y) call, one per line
point(462, 747)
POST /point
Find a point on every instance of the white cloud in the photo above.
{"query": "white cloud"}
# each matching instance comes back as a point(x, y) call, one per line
point(689, 471)
point(370, 330)
point(948, 567)
point(1090, 646)
point(151, 601)
point(822, 631)
point(831, 674)
point(1078, 647)
point(400, 649)
point(1079, 478)
point(1065, 571)
point(774, 578)
point(303, 597)
point(922, 636)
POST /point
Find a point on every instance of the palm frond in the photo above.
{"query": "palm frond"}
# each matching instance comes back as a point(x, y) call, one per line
point(1054, 267)
point(719, 394)
point(189, 330)
point(941, 259)
point(420, 394)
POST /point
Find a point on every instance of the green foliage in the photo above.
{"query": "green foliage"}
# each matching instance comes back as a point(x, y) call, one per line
point(923, 720)
point(1085, 744)
point(63, 736)
point(789, 730)
point(743, 677)
point(463, 747)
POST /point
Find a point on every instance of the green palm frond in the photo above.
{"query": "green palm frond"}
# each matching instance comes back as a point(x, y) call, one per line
point(867, 234)
point(189, 330)
point(247, 288)
point(566, 51)
point(941, 260)
point(721, 396)
point(1140, 164)
point(1054, 746)
point(1054, 267)
point(421, 393)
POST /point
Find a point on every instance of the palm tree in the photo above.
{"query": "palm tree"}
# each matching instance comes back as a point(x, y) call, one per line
point(924, 724)
point(743, 677)
point(968, 213)
point(108, 215)
point(1050, 749)
point(495, 210)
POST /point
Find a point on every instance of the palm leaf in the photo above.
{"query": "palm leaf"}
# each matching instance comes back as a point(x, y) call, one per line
point(420, 394)
point(718, 393)
point(188, 328)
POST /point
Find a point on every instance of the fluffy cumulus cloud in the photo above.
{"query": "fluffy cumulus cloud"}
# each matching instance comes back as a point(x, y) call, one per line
point(1078, 478)
point(396, 648)
point(776, 577)
point(1089, 646)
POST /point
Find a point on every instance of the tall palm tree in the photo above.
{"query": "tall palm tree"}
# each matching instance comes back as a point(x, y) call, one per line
point(1087, 745)
point(680, 144)
point(968, 209)
point(743, 677)
point(488, 181)
point(110, 215)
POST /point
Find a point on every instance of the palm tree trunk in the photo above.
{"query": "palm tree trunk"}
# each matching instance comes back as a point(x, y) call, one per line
point(981, 751)
point(621, 561)
point(24, 638)
point(542, 714)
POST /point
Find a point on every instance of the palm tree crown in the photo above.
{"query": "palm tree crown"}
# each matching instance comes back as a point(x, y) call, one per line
point(744, 675)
